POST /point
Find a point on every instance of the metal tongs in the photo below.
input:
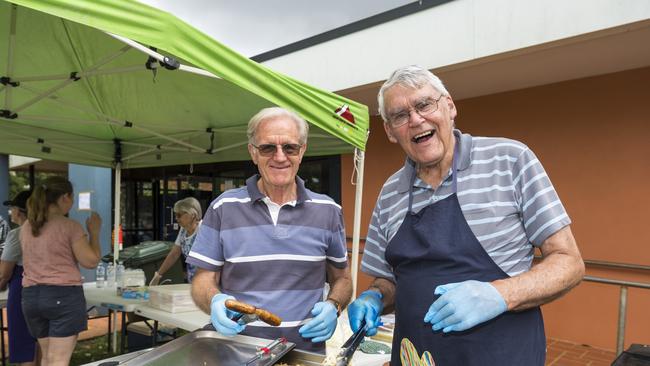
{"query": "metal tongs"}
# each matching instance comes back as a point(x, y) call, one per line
point(345, 355)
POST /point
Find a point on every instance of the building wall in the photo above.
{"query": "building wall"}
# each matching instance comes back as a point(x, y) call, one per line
point(593, 137)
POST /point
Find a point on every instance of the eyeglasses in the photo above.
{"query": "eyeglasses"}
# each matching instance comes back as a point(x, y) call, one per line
point(270, 149)
point(424, 108)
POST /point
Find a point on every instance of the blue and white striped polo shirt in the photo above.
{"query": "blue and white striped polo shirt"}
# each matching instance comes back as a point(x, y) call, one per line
point(281, 267)
point(504, 193)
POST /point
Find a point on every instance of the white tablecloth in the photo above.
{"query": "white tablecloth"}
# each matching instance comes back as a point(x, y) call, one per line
point(107, 297)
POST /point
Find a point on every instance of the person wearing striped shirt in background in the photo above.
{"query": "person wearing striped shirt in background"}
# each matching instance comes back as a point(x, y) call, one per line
point(274, 243)
point(453, 233)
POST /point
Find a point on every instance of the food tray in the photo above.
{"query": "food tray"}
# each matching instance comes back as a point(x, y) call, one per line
point(208, 348)
point(172, 298)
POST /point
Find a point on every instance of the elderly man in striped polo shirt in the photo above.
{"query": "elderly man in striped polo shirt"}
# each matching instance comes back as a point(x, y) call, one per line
point(452, 236)
point(274, 243)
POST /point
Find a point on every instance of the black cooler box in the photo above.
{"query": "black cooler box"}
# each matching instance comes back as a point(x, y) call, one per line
point(636, 355)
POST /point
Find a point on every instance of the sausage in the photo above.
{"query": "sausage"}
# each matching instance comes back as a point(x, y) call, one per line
point(240, 307)
point(268, 317)
point(244, 308)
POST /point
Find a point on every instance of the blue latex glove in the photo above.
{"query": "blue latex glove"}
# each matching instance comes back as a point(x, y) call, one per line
point(220, 316)
point(367, 306)
point(321, 327)
point(464, 305)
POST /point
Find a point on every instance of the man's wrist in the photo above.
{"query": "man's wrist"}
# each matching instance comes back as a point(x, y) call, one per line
point(336, 304)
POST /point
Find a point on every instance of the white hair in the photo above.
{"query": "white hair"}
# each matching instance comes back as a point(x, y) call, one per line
point(412, 76)
point(189, 205)
point(275, 112)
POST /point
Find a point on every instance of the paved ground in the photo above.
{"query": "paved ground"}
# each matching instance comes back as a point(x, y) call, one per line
point(563, 353)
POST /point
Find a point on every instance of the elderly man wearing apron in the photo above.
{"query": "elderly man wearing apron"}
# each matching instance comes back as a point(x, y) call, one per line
point(452, 237)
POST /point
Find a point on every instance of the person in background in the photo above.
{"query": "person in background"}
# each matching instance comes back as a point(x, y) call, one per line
point(4, 231)
point(188, 215)
point(22, 346)
point(452, 237)
point(53, 248)
point(274, 243)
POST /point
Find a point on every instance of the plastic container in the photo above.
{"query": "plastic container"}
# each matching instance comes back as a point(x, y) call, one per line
point(110, 276)
point(100, 276)
point(119, 277)
point(172, 298)
point(149, 256)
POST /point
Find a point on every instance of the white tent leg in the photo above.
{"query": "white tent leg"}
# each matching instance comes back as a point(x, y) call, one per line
point(10, 54)
point(116, 237)
point(359, 159)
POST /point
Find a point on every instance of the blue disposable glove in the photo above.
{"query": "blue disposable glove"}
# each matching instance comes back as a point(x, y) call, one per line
point(321, 327)
point(220, 316)
point(367, 306)
point(464, 305)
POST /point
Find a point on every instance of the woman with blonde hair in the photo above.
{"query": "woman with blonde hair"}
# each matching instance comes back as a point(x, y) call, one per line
point(188, 214)
point(53, 248)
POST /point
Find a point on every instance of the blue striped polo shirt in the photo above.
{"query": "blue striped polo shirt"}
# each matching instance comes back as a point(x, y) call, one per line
point(279, 267)
point(504, 193)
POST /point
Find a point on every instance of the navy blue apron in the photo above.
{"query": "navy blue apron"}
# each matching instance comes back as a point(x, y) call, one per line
point(434, 247)
point(22, 346)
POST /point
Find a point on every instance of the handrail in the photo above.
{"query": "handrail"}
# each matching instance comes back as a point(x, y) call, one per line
point(622, 304)
point(617, 282)
point(611, 265)
point(616, 265)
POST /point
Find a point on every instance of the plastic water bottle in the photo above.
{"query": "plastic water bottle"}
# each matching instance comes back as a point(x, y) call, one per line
point(100, 276)
point(119, 277)
point(110, 276)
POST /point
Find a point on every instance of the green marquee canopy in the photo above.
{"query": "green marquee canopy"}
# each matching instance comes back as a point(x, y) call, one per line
point(95, 81)
point(116, 83)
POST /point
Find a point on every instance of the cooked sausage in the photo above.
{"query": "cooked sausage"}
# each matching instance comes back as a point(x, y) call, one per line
point(268, 317)
point(240, 307)
point(244, 308)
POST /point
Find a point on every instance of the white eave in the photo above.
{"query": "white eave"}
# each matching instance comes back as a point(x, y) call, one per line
point(482, 47)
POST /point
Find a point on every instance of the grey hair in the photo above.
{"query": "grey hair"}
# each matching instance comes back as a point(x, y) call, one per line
point(412, 76)
point(189, 205)
point(275, 112)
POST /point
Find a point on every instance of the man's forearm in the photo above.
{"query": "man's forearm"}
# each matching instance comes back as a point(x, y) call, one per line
point(340, 281)
point(204, 289)
point(560, 270)
point(387, 290)
point(341, 291)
